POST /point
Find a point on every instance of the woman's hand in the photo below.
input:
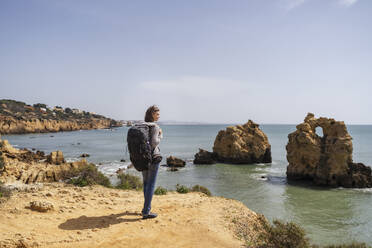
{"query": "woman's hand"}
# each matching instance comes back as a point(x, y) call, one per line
point(160, 132)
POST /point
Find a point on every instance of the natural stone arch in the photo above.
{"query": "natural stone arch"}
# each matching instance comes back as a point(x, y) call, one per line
point(325, 160)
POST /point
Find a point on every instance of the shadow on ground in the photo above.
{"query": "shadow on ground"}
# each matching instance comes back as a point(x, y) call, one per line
point(84, 222)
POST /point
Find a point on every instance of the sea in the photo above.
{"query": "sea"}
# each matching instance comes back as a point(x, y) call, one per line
point(329, 216)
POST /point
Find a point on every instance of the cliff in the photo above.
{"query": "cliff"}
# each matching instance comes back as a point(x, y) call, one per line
point(95, 216)
point(24, 166)
point(19, 117)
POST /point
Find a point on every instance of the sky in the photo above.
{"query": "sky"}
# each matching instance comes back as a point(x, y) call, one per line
point(212, 61)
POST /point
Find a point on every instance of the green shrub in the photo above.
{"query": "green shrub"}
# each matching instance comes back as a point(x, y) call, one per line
point(4, 193)
point(88, 175)
point(160, 191)
point(352, 245)
point(182, 189)
point(202, 189)
point(40, 105)
point(282, 235)
point(128, 181)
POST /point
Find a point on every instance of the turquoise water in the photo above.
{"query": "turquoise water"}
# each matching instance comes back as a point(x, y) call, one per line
point(328, 215)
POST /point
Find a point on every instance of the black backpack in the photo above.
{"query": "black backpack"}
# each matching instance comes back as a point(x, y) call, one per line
point(139, 146)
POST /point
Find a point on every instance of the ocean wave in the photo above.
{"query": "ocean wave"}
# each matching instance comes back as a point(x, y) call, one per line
point(70, 160)
point(367, 190)
point(274, 170)
point(261, 177)
point(110, 167)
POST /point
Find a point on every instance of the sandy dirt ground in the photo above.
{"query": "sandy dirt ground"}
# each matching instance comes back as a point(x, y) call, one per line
point(95, 216)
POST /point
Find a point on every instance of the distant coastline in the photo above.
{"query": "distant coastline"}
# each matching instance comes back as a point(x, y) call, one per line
point(20, 118)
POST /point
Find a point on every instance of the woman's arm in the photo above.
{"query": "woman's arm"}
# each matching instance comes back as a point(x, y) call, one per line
point(156, 135)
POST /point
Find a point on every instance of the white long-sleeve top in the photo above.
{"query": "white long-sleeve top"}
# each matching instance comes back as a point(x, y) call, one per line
point(155, 137)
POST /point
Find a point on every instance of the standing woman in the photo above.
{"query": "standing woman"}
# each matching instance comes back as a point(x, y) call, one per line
point(149, 176)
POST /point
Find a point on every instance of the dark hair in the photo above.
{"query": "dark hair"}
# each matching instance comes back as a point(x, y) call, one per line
point(149, 112)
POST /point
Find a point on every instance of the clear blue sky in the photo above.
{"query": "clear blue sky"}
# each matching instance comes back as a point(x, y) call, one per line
point(270, 61)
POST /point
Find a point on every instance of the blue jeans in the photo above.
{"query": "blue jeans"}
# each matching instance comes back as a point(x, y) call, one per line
point(149, 180)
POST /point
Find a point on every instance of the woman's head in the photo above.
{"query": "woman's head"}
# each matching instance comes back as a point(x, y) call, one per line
point(152, 114)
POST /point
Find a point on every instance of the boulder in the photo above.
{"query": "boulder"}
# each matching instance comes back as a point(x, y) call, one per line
point(175, 162)
point(56, 158)
point(324, 160)
point(8, 148)
point(242, 144)
point(84, 155)
point(41, 206)
point(120, 171)
point(205, 157)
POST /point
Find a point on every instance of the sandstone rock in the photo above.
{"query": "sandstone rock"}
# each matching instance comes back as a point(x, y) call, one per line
point(41, 206)
point(242, 144)
point(205, 157)
point(324, 160)
point(2, 162)
point(6, 147)
point(25, 166)
point(175, 162)
point(56, 158)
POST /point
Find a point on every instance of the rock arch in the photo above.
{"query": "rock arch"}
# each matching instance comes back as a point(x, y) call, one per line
point(325, 160)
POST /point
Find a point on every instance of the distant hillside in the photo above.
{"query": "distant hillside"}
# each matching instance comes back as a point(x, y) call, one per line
point(18, 117)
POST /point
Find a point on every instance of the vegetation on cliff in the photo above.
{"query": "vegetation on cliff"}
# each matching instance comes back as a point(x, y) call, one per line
point(19, 117)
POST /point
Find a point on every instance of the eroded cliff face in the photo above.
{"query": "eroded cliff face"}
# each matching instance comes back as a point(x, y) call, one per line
point(10, 125)
point(242, 144)
point(30, 167)
point(18, 117)
point(324, 160)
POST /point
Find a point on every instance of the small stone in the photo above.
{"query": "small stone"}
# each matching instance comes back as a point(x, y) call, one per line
point(41, 206)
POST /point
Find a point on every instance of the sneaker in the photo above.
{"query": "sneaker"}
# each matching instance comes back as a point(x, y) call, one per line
point(149, 216)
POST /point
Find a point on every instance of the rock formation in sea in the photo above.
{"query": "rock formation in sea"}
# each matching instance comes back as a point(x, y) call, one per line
point(325, 160)
point(18, 117)
point(175, 162)
point(242, 144)
point(205, 157)
point(30, 167)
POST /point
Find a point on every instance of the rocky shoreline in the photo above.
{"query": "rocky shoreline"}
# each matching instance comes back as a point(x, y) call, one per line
point(64, 215)
point(59, 214)
point(20, 118)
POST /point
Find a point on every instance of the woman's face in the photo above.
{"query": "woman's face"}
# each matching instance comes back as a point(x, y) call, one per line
point(156, 115)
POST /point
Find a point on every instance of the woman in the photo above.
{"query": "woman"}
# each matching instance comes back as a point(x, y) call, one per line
point(149, 176)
